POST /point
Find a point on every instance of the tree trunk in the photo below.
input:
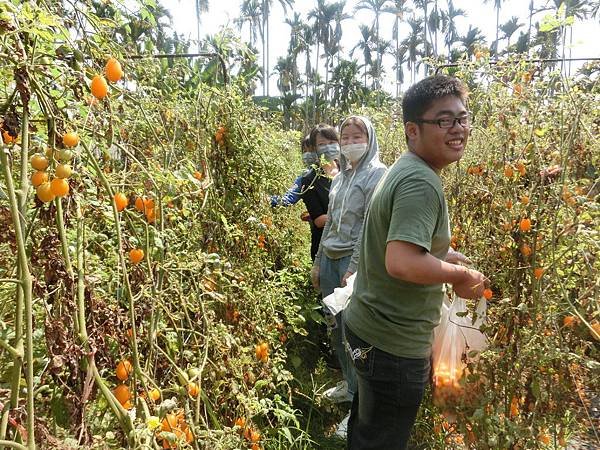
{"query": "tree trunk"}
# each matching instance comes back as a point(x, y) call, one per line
point(397, 56)
point(264, 48)
point(307, 85)
point(326, 75)
point(315, 73)
point(376, 81)
point(529, 30)
point(425, 36)
point(267, 33)
point(435, 41)
point(497, 25)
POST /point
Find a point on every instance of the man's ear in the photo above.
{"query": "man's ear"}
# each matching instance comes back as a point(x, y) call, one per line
point(411, 129)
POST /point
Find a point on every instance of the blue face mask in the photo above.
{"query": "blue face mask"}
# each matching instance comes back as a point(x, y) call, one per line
point(329, 151)
point(310, 158)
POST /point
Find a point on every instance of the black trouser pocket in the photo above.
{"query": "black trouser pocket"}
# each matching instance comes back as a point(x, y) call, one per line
point(360, 352)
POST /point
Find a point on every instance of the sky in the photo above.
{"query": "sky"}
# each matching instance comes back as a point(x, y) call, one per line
point(224, 12)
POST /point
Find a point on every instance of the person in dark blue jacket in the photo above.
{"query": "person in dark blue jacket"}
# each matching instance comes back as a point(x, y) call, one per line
point(315, 183)
point(292, 196)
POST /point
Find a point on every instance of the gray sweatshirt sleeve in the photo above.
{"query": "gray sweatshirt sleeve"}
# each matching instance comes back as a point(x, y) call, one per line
point(369, 189)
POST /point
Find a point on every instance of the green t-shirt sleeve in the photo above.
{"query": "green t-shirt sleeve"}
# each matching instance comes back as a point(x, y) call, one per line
point(415, 211)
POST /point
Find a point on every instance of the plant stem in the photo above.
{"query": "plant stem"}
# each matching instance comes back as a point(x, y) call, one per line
point(25, 288)
point(60, 224)
point(128, 293)
point(11, 444)
point(114, 404)
point(10, 349)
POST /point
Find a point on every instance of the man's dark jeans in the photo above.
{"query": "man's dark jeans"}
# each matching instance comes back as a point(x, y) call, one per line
point(390, 390)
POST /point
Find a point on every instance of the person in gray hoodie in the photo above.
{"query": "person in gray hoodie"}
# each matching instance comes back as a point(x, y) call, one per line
point(337, 257)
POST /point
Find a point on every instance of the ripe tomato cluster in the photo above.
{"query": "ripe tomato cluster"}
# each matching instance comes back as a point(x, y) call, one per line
point(48, 189)
point(262, 352)
point(113, 71)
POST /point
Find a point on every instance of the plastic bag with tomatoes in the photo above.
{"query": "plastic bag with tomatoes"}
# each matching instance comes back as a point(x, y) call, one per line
point(457, 341)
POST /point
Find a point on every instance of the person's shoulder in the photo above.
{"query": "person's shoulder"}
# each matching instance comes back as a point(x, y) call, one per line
point(410, 169)
point(413, 163)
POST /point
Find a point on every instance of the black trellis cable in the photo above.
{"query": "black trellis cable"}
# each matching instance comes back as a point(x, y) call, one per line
point(187, 55)
point(547, 60)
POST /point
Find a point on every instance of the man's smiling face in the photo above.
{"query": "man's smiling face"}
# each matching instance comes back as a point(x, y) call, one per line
point(440, 147)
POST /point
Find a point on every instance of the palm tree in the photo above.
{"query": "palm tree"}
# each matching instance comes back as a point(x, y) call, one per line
point(509, 28)
point(595, 9)
point(323, 15)
point(522, 44)
point(422, 4)
point(548, 41)
point(201, 6)
point(472, 40)
point(365, 45)
point(412, 43)
point(377, 70)
point(347, 88)
point(332, 47)
point(285, 69)
point(140, 32)
point(295, 46)
point(399, 54)
point(377, 7)
point(497, 6)
point(307, 39)
point(435, 23)
point(287, 102)
point(451, 33)
point(398, 10)
point(251, 14)
point(530, 22)
point(339, 15)
point(232, 52)
point(573, 8)
point(266, 8)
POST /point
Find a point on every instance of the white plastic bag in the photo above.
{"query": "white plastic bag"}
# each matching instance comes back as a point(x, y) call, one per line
point(457, 341)
point(337, 301)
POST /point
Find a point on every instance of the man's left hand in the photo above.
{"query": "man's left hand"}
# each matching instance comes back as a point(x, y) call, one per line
point(345, 278)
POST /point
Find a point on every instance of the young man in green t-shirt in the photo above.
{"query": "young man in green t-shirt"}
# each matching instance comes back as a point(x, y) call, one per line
point(404, 261)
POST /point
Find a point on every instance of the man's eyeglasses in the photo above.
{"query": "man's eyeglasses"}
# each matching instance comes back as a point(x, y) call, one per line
point(447, 122)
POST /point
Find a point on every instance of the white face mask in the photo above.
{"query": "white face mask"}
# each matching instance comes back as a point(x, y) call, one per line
point(353, 152)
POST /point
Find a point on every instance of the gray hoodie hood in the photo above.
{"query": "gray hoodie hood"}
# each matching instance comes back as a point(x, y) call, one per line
point(372, 153)
point(349, 197)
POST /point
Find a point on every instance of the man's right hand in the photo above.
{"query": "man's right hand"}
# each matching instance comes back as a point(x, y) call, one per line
point(471, 285)
point(314, 277)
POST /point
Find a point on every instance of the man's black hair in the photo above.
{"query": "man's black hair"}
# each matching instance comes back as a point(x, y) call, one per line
point(419, 97)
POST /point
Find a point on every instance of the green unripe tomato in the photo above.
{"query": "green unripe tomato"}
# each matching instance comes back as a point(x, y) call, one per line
point(64, 155)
